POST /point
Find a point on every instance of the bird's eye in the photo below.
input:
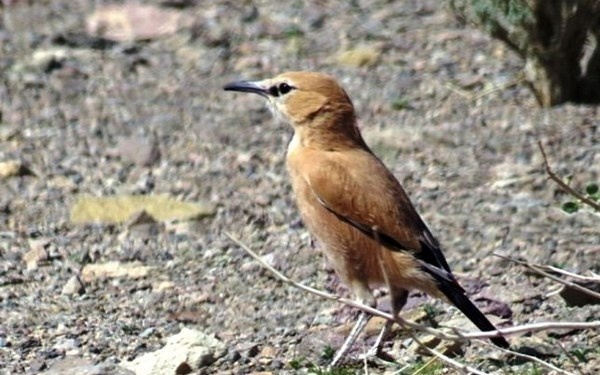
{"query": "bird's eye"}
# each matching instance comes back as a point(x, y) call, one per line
point(284, 88)
point(281, 89)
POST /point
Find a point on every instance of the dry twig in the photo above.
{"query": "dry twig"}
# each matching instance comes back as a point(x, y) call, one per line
point(368, 309)
point(570, 357)
point(593, 278)
point(527, 328)
point(470, 96)
point(533, 359)
point(565, 187)
point(540, 271)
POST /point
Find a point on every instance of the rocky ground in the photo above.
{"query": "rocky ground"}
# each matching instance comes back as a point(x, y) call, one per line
point(143, 112)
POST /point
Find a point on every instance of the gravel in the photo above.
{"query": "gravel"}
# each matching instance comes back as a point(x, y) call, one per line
point(439, 102)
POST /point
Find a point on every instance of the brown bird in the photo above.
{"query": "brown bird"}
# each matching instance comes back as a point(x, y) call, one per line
point(353, 204)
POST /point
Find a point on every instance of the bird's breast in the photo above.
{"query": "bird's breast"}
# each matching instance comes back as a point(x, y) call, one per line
point(352, 254)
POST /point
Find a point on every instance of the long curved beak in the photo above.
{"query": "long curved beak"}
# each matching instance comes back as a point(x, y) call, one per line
point(256, 87)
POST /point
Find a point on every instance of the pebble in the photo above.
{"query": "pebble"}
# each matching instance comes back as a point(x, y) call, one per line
point(73, 286)
point(68, 346)
point(233, 356)
point(148, 332)
point(131, 22)
point(13, 168)
point(141, 151)
point(448, 142)
point(249, 350)
point(37, 254)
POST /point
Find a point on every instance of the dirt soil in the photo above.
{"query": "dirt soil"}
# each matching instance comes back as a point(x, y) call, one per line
point(440, 102)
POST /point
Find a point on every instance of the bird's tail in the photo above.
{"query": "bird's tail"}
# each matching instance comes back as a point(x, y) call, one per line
point(459, 299)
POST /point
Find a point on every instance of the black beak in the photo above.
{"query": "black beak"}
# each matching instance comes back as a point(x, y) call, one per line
point(246, 86)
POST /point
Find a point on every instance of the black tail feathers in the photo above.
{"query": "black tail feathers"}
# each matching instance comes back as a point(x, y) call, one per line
point(464, 304)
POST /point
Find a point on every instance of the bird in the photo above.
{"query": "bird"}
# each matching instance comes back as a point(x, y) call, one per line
point(352, 203)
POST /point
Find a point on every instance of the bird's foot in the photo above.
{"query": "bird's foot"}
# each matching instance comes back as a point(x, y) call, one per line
point(376, 350)
point(375, 354)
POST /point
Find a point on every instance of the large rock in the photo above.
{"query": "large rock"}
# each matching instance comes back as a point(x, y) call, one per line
point(119, 209)
point(185, 352)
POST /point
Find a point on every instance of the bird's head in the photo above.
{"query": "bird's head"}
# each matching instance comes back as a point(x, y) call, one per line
point(313, 103)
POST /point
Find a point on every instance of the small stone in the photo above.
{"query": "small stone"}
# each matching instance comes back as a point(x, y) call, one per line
point(37, 366)
point(427, 341)
point(204, 359)
point(245, 157)
point(452, 348)
point(268, 352)
point(143, 225)
point(233, 356)
point(374, 326)
point(249, 350)
point(5, 206)
point(43, 59)
point(359, 57)
point(266, 361)
point(183, 369)
point(73, 286)
point(163, 285)
point(131, 22)
point(188, 316)
point(63, 183)
point(247, 63)
point(141, 217)
point(277, 364)
point(37, 254)
point(262, 200)
point(416, 315)
point(148, 332)
point(183, 228)
point(9, 134)
point(69, 346)
point(468, 81)
point(133, 270)
point(13, 168)
point(137, 150)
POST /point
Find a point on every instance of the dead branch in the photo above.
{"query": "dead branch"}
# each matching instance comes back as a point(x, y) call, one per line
point(472, 96)
point(565, 187)
point(368, 309)
point(531, 358)
point(593, 278)
point(571, 358)
point(526, 328)
point(460, 366)
point(540, 271)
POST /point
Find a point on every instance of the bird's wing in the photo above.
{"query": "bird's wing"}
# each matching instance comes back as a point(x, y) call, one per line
point(374, 203)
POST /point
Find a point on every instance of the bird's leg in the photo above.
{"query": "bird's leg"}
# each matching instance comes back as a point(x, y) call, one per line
point(365, 297)
point(376, 348)
point(398, 297)
point(361, 322)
